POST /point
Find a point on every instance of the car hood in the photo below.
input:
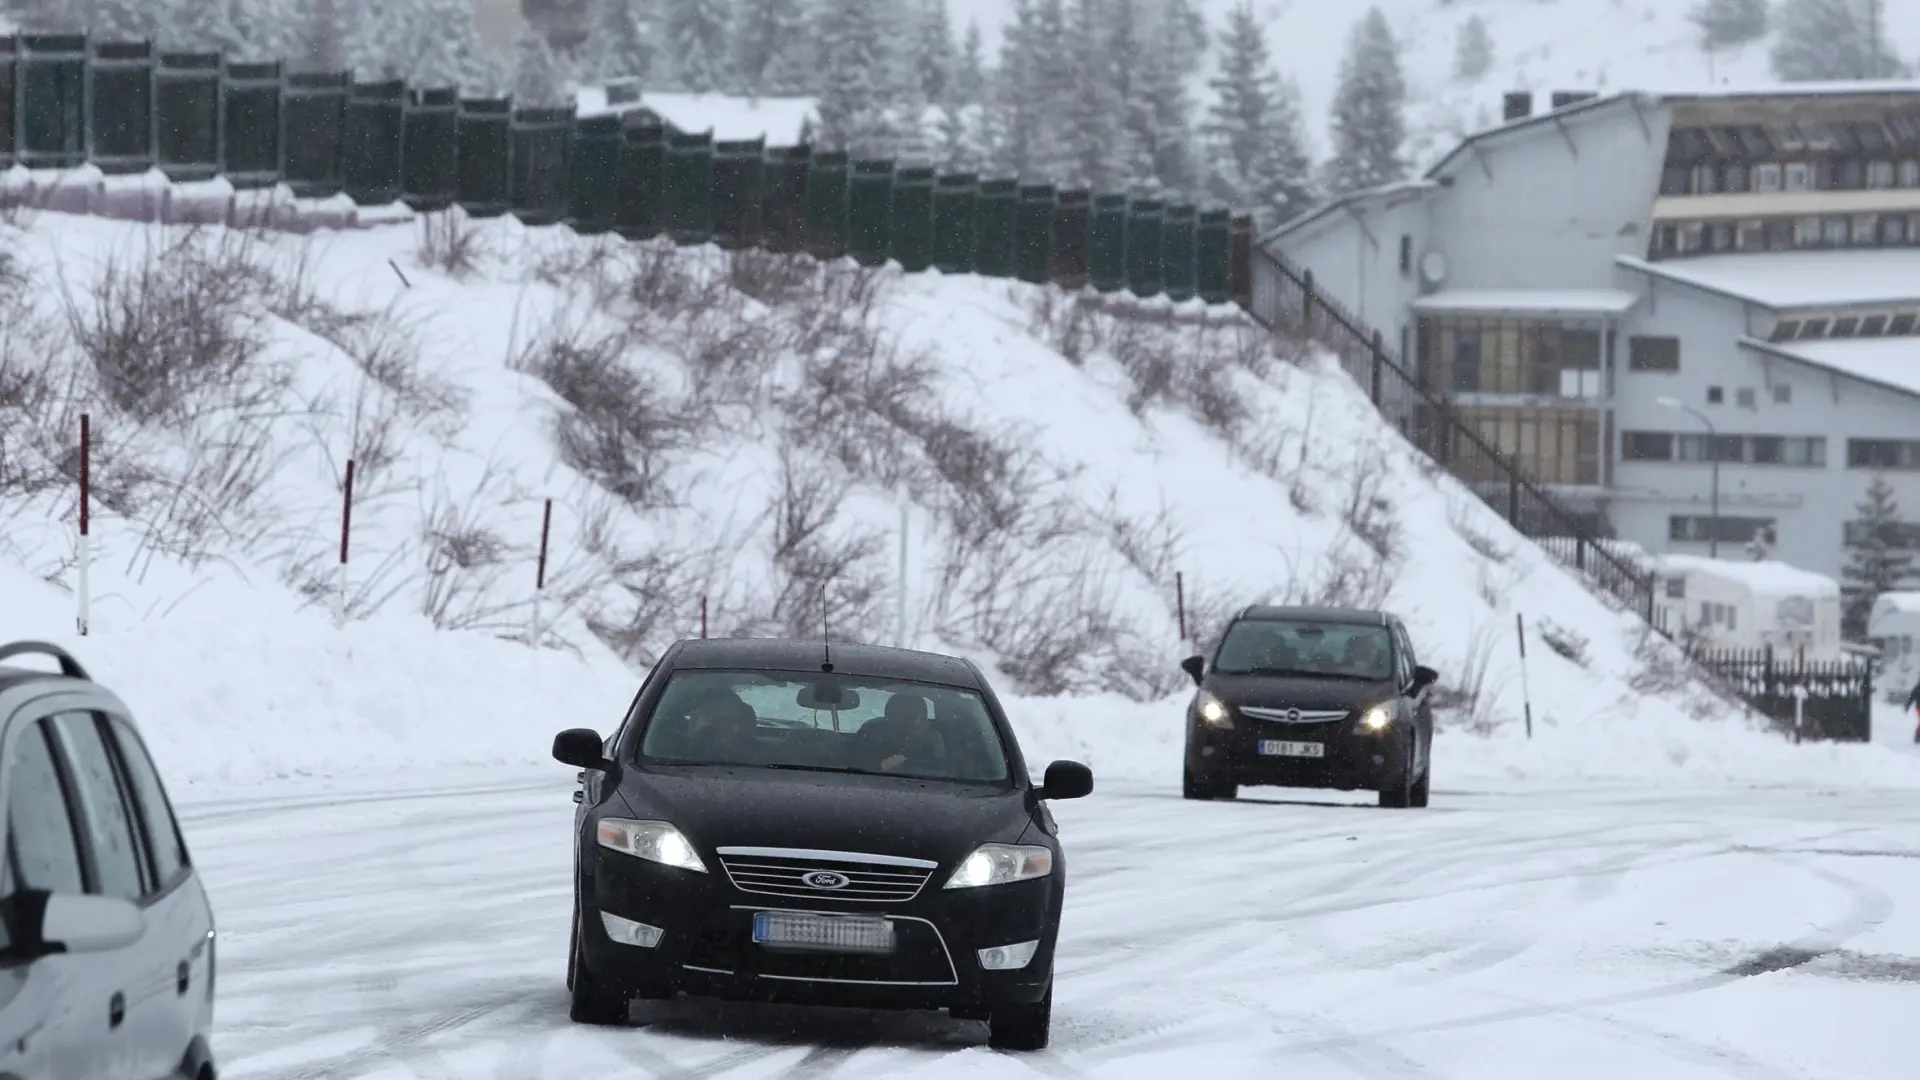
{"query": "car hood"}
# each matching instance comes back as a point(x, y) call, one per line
point(876, 815)
point(1277, 692)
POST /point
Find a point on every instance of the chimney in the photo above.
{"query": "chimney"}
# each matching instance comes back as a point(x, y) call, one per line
point(1518, 106)
point(1563, 98)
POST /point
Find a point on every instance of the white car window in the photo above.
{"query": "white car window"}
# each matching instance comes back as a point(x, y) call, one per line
point(40, 827)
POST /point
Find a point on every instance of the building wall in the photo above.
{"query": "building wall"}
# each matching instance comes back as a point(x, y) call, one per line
point(1355, 259)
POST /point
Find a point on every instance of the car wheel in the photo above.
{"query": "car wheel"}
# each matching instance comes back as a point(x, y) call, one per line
point(1192, 787)
point(594, 1002)
point(1419, 795)
point(573, 945)
point(1397, 793)
point(1021, 1027)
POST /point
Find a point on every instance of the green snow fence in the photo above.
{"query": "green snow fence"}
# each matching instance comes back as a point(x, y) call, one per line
point(538, 140)
point(120, 107)
point(1213, 256)
point(739, 179)
point(483, 144)
point(593, 174)
point(1145, 273)
point(1107, 244)
point(9, 67)
point(313, 106)
point(370, 140)
point(870, 212)
point(954, 199)
point(993, 228)
point(1033, 234)
point(250, 124)
point(53, 101)
point(1240, 246)
point(1071, 220)
point(643, 159)
point(827, 206)
point(912, 224)
point(686, 201)
point(430, 149)
point(1177, 253)
point(783, 204)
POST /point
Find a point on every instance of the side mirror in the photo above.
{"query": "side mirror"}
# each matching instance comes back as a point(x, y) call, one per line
point(580, 748)
point(1066, 780)
point(1424, 677)
point(1196, 666)
point(72, 923)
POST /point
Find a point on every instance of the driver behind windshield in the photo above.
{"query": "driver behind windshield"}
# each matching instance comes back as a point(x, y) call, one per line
point(719, 728)
point(1361, 656)
point(905, 735)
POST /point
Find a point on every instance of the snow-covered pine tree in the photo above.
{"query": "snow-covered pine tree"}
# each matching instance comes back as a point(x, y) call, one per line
point(1162, 120)
point(1877, 561)
point(1825, 40)
point(970, 68)
point(1013, 116)
point(1726, 23)
point(695, 44)
point(1369, 110)
point(771, 39)
point(620, 40)
point(540, 76)
point(1094, 112)
point(1056, 77)
point(1187, 35)
point(935, 59)
point(104, 20)
point(321, 40)
point(1256, 135)
point(852, 104)
point(1127, 49)
point(429, 43)
point(1473, 49)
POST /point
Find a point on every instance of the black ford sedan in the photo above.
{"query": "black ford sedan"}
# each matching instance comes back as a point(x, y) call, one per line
point(1311, 697)
point(779, 820)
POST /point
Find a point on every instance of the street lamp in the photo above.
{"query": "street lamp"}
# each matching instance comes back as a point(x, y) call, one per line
point(1713, 456)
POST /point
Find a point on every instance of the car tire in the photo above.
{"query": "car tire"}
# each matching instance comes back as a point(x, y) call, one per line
point(1397, 792)
point(1021, 1027)
point(1418, 798)
point(1192, 787)
point(594, 1002)
point(573, 945)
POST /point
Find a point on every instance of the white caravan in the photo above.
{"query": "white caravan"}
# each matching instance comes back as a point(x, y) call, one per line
point(1731, 604)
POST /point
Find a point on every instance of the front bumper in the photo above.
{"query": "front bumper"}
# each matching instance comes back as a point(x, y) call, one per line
point(706, 948)
point(1353, 759)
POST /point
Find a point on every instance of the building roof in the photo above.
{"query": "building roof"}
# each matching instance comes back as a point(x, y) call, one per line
point(1784, 280)
point(1544, 118)
point(1389, 193)
point(1767, 577)
point(1892, 363)
point(1528, 301)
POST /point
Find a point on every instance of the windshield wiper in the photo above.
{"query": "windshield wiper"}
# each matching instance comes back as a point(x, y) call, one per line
point(852, 769)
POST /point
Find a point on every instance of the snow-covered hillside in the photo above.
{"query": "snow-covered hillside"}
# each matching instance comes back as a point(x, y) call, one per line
point(734, 435)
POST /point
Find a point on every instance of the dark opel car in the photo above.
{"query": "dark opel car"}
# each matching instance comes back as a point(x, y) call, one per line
point(1311, 697)
point(777, 821)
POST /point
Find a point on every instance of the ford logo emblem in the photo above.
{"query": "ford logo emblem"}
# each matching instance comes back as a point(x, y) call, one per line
point(1293, 716)
point(826, 879)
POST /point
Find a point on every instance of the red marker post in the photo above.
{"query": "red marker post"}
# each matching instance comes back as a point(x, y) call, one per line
point(1180, 602)
point(346, 533)
point(81, 617)
point(1526, 694)
point(540, 571)
point(703, 616)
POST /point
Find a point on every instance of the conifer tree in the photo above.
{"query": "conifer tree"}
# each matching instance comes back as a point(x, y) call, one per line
point(853, 109)
point(1830, 40)
point(936, 60)
point(1473, 49)
point(1725, 23)
point(620, 40)
point(1256, 135)
point(970, 69)
point(1877, 559)
point(539, 76)
point(695, 42)
point(772, 40)
point(1369, 110)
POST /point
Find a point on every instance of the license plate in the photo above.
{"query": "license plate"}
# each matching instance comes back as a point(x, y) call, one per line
point(822, 933)
point(1282, 748)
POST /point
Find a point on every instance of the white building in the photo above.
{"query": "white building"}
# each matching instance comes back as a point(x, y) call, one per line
point(1729, 604)
point(1894, 625)
point(1620, 291)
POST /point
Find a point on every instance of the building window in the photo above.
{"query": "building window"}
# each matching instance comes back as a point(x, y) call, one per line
point(1700, 528)
point(1646, 445)
point(1677, 587)
point(1834, 231)
point(1464, 359)
point(1693, 237)
point(1806, 232)
point(1716, 395)
point(1873, 326)
point(1743, 397)
point(1784, 330)
point(1883, 454)
point(1866, 229)
point(1779, 235)
point(1696, 448)
point(1753, 235)
point(1880, 174)
point(1511, 356)
point(1902, 324)
point(1814, 328)
point(1846, 326)
point(1406, 254)
point(1782, 394)
point(1893, 230)
point(1805, 451)
point(1910, 174)
point(1704, 181)
point(1766, 178)
point(1653, 354)
point(1675, 180)
point(1799, 176)
point(1850, 175)
point(1733, 178)
point(1720, 236)
point(1554, 446)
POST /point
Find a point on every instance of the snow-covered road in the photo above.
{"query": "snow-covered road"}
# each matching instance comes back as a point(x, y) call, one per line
point(1761, 934)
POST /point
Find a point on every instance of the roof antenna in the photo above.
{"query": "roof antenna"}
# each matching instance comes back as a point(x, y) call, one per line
point(826, 641)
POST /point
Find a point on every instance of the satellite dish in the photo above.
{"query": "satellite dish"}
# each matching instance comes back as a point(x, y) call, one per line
point(1433, 269)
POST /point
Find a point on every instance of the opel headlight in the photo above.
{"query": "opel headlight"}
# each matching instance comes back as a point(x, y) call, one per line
point(1212, 710)
point(998, 864)
point(1380, 716)
point(654, 841)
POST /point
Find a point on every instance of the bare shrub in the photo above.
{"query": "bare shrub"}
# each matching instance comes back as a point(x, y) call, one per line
point(213, 497)
point(825, 584)
point(774, 279)
point(861, 401)
point(384, 346)
point(994, 486)
point(1067, 323)
point(620, 429)
point(1566, 641)
point(1343, 578)
point(1468, 702)
point(463, 559)
point(1151, 544)
point(1492, 590)
point(1049, 615)
point(1368, 513)
point(1460, 517)
point(447, 241)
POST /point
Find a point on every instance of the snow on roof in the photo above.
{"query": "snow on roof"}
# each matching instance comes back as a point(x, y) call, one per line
point(1904, 603)
point(1798, 279)
point(1681, 92)
point(1890, 361)
point(1768, 577)
point(781, 121)
point(1533, 301)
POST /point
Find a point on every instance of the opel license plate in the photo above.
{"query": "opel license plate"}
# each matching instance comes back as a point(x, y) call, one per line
point(804, 931)
point(1282, 748)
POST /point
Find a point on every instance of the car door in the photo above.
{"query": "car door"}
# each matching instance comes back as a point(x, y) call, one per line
point(73, 1035)
point(1418, 705)
point(176, 902)
point(110, 836)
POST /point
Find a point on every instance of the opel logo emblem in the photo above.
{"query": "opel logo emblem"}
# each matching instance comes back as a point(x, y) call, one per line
point(1293, 716)
point(826, 879)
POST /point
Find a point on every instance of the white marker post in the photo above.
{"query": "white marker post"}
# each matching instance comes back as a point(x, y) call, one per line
point(346, 532)
point(81, 616)
point(540, 572)
point(1799, 711)
point(1526, 694)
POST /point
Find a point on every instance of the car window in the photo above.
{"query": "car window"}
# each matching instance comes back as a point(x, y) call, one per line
point(1300, 647)
point(830, 722)
point(40, 825)
point(103, 807)
point(169, 851)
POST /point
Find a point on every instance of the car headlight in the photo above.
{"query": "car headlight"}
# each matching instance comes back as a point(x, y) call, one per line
point(1380, 716)
point(997, 864)
point(1212, 710)
point(654, 841)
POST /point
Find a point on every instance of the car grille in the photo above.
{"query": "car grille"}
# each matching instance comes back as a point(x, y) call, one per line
point(1293, 716)
point(794, 877)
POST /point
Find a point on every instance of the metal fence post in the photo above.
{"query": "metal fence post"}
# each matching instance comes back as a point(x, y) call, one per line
point(1379, 355)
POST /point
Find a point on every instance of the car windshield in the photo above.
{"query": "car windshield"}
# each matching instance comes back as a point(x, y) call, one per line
point(829, 723)
point(1287, 647)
